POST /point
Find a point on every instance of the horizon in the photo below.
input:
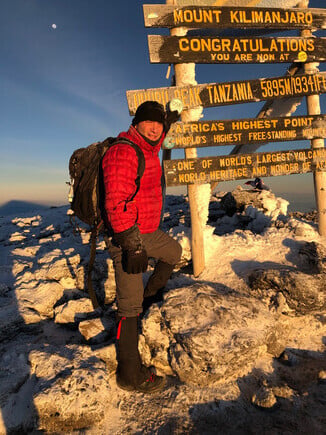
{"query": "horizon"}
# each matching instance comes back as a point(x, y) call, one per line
point(302, 203)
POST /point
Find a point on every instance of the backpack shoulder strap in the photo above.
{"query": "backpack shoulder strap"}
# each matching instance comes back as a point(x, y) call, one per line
point(141, 161)
point(90, 288)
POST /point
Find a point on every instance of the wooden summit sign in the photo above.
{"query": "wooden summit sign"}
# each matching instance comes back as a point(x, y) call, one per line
point(227, 168)
point(215, 49)
point(239, 3)
point(219, 94)
point(231, 17)
point(246, 131)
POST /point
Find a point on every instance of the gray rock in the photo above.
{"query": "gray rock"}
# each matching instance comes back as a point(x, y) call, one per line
point(230, 205)
point(255, 210)
point(155, 342)
point(97, 330)
point(40, 299)
point(58, 269)
point(264, 398)
point(74, 311)
point(103, 278)
point(108, 354)
point(74, 393)
point(215, 338)
point(239, 199)
point(276, 338)
point(303, 293)
point(312, 256)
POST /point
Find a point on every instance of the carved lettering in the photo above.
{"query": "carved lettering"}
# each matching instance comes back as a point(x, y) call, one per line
point(204, 170)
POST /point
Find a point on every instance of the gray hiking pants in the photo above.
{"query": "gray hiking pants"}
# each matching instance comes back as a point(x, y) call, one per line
point(130, 289)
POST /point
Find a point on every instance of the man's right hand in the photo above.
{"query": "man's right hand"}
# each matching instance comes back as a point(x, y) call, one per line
point(134, 256)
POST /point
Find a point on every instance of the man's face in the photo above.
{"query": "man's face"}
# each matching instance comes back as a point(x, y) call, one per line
point(152, 130)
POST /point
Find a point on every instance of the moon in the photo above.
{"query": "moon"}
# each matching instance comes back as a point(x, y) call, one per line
point(54, 26)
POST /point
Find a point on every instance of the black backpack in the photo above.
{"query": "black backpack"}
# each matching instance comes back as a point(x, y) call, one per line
point(86, 195)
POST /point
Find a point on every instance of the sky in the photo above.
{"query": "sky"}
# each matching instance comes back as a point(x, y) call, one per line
point(65, 68)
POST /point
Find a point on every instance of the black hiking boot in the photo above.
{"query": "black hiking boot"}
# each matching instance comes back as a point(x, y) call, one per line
point(132, 375)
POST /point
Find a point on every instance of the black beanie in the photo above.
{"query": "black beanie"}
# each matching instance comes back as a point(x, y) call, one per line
point(149, 111)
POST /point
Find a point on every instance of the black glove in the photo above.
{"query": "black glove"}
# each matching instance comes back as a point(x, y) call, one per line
point(170, 118)
point(134, 256)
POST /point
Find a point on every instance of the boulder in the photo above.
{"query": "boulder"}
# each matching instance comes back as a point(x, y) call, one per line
point(40, 299)
point(97, 330)
point(239, 199)
point(312, 256)
point(75, 311)
point(59, 268)
point(217, 337)
point(304, 293)
point(72, 389)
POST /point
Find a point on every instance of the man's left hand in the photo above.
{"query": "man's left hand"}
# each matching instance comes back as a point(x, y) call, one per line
point(171, 117)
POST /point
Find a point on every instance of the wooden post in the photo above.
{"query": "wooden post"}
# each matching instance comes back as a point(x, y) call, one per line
point(185, 75)
point(313, 108)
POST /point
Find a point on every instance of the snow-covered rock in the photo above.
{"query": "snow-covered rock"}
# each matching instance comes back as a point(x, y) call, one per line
point(313, 257)
point(74, 311)
point(218, 336)
point(247, 335)
point(71, 391)
point(97, 330)
point(303, 293)
point(264, 200)
point(247, 209)
point(41, 299)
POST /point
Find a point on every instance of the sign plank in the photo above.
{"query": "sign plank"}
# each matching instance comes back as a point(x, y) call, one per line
point(225, 93)
point(227, 168)
point(231, 17)
point(245, 131)
point(239, 3)
point(215, 49)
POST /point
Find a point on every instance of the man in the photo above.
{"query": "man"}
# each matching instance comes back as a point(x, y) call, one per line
point(135, 221)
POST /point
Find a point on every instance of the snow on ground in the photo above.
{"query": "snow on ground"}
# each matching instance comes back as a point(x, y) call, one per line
point(242, 346)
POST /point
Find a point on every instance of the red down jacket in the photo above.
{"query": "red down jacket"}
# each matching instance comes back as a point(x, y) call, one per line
point(120, 165)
